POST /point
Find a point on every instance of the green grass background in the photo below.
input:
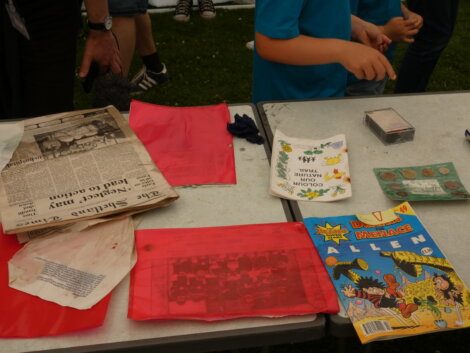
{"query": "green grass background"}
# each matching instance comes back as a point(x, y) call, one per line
point(209, 63)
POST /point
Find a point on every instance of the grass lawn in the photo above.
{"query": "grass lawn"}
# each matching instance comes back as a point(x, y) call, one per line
point(209, 63)
point(207, 60)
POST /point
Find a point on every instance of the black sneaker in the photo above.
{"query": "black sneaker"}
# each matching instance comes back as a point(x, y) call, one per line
point(206, 9)
point(146, 79)
point(183, 10)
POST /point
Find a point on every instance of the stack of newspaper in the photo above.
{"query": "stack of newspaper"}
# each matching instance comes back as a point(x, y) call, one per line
point(70, 187)
point(75, 167)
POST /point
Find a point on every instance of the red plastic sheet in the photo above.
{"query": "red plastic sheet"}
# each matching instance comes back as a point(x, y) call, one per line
point(190, 145)
point(228, 272)
point(24, 315)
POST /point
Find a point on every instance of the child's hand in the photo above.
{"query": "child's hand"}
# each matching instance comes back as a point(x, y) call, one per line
point(369, 34)
point(365, 63)
point(413, 16)
point(399, 29)
point(417, 19)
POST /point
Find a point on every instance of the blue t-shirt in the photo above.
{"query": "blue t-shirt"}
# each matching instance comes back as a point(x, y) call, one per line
point(286, 19)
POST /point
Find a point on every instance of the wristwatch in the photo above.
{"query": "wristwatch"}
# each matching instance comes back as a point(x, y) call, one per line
point(101, 26)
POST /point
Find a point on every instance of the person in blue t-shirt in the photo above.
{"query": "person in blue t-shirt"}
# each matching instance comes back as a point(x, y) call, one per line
point(303, 49)
point(397, 22)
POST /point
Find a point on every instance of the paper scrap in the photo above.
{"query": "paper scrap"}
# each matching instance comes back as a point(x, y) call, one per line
point(27, 316)
point(10, 137)
point(75, 269)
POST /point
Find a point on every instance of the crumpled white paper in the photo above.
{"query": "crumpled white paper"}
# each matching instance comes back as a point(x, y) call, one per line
point(75, 269)
point(10, 137)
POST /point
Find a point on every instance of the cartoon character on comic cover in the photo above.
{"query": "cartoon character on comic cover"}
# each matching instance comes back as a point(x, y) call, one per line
point(390, 276)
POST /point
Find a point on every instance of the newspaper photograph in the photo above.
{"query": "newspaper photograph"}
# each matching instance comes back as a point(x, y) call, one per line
point(78, 166)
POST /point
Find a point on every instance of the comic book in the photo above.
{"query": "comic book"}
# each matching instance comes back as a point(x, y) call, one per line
point(390, 276)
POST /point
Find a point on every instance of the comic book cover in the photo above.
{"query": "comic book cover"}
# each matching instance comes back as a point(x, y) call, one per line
point(389, 274)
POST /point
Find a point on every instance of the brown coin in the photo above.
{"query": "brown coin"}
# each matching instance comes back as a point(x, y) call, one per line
point(444, 170)
point(427, 172)
point(402, 193)
point(388, 176)
point(409, 173)
point(451, 185)
point(395, 186)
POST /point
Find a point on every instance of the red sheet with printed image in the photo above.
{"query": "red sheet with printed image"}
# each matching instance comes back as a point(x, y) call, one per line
point(190, 145)
point(25, 316)
point(218, 273)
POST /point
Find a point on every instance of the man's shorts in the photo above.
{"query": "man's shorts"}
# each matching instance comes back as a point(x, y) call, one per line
point(127, 7)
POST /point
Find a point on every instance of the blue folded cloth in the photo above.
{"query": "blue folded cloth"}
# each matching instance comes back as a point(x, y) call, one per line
point(245, 127)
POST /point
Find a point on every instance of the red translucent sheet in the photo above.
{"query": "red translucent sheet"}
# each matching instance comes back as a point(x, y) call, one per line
point(24, 315)
point(190, 145)
point(228, 272)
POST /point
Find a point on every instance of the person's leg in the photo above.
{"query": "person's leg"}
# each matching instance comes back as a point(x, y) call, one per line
point(145, 43)
point(422, 55)
point(153, 72)
point(125, 30)
point(110, 88)
point(125, 14)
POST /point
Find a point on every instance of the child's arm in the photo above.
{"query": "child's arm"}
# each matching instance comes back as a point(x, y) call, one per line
point(403, 29)
point(364, 62)
point(369, 34)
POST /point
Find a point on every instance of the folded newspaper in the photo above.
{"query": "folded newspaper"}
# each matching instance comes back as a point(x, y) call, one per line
point(75, 167)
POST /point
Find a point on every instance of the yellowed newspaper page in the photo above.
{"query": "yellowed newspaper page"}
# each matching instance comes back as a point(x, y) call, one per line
point(77, 166)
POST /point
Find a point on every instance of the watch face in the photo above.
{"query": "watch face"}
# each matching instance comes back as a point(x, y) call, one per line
point(108, 23)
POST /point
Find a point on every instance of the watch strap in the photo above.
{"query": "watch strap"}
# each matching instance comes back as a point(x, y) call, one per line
point(98, 26)
point(101, 26)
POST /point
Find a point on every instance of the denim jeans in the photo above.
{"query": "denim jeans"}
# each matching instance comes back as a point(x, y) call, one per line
point(422, 55)
point(127, 7)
